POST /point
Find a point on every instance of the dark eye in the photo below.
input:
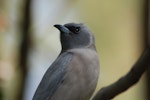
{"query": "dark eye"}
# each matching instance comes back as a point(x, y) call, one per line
point(77, 29)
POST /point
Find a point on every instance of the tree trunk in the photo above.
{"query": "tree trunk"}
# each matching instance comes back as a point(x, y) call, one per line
point(24, 46)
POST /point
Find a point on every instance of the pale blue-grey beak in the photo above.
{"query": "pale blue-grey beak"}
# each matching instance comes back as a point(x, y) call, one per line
point(62, 29)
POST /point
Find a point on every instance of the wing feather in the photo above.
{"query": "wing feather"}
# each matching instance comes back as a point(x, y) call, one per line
point(53, 77)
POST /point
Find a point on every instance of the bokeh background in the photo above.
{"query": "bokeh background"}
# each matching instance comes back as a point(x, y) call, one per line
point(29, 43)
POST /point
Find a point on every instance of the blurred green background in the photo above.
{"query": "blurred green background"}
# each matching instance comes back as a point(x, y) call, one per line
point(116, 24)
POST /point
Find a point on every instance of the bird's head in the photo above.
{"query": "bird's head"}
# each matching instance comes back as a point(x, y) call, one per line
point(75, 36)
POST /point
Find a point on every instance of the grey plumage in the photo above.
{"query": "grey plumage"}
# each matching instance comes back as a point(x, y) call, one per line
point(74, 74)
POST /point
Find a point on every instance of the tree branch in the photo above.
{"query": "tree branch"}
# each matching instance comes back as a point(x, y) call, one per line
point(132, 77)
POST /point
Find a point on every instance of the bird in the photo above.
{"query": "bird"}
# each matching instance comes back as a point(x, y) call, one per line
point(75, 72)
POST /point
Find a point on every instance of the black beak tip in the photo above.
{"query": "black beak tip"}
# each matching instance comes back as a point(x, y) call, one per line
point(57, 25)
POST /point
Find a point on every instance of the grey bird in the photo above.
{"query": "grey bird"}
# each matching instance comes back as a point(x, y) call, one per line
point(74, 74)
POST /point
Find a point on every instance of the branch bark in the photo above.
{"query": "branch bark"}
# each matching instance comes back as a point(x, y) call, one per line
point(132, 77)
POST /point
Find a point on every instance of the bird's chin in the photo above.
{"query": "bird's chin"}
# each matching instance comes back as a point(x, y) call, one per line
point(65, 34)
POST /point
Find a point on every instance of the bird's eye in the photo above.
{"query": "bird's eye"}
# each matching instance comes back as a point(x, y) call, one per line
point(77, 29)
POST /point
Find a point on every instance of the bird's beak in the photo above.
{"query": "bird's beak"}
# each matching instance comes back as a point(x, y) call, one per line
point(62, 28)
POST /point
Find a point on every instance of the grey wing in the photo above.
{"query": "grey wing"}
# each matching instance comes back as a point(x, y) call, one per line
point(53, 77)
